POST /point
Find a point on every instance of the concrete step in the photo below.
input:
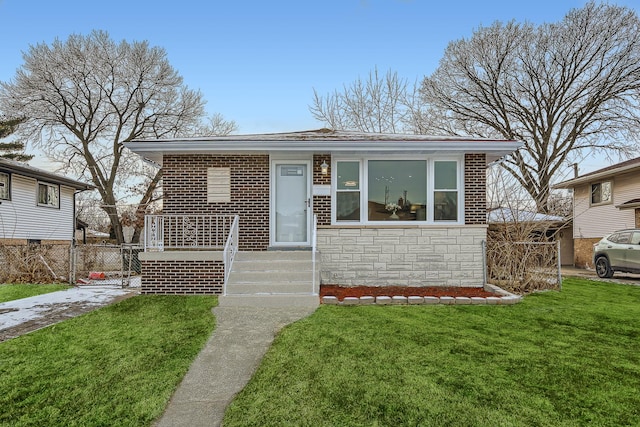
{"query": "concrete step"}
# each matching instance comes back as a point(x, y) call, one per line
point(270, 288)
point(269, 276)
point(272, 265)
point(271, 279)
point(273, 256)
point(290, 300)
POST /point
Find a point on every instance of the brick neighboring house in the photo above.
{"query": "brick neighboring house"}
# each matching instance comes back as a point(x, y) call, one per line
point(36, 206)
point(604, 201)
point(390, 209)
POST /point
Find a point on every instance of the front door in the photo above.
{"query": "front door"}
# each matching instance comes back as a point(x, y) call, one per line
point(291, 203)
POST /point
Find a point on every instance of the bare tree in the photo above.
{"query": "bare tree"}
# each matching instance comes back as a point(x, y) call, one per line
point(562, 88)
point(12, 150)
point(88, 95)
point(378, 104)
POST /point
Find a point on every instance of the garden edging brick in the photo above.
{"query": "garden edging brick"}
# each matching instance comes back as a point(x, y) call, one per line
point(504, 298)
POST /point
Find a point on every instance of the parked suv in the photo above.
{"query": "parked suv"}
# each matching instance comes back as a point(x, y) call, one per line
point(619, 251)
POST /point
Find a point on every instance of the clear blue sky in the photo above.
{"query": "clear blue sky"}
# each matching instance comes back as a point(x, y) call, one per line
point(258, 61)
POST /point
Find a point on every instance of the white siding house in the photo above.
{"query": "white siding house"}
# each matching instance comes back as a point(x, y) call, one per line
point(604, 201)
point(36, 205)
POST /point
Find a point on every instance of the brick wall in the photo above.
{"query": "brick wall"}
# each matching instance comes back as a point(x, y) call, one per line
point(475, 189)
point(185, 192)
point(322, 204)
point(25, 242)
point(318, 178)
point(182, 277)
point(402, 256)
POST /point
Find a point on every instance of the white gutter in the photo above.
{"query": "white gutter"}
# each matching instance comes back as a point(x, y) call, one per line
point(596, 176)
point(154, 150)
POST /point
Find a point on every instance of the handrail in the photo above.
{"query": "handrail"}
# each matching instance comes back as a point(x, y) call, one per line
point(230, 251)
point(186, 231)
point(314, 244)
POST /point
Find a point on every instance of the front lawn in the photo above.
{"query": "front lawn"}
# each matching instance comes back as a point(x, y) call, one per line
point(10, 292)
point(569, 358)
point(118, 365)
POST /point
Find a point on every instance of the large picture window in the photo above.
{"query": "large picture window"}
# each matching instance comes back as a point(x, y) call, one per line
point(397, 190)
point(375, 190)
point(48, 195)
point(5, 186)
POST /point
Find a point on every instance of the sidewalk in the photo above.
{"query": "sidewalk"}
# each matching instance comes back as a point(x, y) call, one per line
point(226, 364)
point(25, 315)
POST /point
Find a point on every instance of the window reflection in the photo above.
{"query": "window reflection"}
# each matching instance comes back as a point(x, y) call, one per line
point(397, 190)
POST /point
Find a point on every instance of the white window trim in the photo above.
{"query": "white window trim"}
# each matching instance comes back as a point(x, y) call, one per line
point(47, 205)
point(8, 186)
point(364, 190)
point(607, 202)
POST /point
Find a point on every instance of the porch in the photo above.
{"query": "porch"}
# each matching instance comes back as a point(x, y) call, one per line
point(199, 254)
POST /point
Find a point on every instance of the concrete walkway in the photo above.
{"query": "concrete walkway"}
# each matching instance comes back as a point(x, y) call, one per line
point(229, 359)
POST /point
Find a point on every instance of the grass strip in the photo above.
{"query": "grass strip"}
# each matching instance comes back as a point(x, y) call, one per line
point(10, 292)
point(118, 365)
point(569, 358)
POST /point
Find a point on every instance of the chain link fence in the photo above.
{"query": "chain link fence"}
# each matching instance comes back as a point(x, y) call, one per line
point(82, 264)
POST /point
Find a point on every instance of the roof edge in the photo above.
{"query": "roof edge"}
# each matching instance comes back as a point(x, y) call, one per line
point(43, 175)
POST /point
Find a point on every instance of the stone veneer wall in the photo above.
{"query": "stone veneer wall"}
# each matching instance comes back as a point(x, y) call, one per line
point(405, 256)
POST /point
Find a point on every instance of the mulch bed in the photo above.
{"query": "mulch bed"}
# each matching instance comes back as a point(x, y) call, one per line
point(407, 291)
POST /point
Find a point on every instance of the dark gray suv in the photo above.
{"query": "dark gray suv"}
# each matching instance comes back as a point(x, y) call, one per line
point(619, 251)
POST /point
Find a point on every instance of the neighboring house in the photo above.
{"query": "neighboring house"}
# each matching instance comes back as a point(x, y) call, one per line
point(542, 227)
point(36, 206)
point(390, 209)
point(604, 201)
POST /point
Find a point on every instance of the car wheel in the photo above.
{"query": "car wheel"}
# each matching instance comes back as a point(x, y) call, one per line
point(603, 269)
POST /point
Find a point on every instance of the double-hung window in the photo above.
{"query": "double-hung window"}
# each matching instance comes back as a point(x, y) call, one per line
point(347, 206)
point(5, 186)
point(375, 190)
point(601, 193)
point(48, 195)
point(445, 190)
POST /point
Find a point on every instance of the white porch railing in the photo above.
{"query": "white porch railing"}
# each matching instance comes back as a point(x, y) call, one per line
point(230, 250)
point(314, 241)
point(186, 231)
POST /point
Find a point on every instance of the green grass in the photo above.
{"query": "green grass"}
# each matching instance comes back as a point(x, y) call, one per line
point(12, 292)
point(115, 366)
point(569, 358)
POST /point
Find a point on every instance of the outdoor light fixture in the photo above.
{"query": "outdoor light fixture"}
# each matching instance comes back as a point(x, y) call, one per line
point(324, 168)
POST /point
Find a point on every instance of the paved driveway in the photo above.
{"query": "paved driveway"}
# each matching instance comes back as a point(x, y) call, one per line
point(626, 278)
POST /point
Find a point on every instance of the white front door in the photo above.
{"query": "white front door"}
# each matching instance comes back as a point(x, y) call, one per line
point(291, 203)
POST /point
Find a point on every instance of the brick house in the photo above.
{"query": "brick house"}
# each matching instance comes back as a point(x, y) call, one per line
point(379, 209)
point(604, 201)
